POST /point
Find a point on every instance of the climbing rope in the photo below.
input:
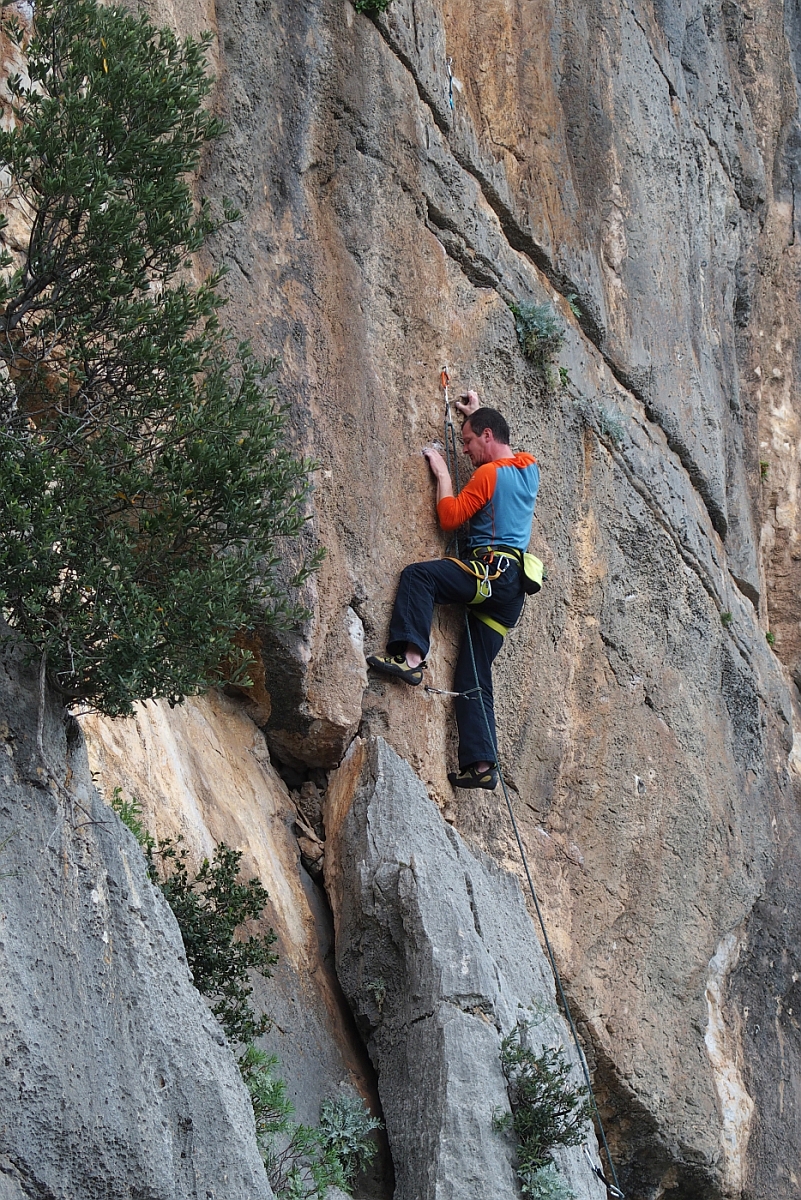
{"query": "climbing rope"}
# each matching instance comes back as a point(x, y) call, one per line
point(451, 453)
point(449, 64)
point(613, 1188)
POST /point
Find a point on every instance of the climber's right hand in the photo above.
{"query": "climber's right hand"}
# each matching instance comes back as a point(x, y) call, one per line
point(435, 461)
point(468, 403)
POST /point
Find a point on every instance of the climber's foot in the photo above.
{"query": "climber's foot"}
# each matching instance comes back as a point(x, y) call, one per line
point(396, 664)
point(483, 775)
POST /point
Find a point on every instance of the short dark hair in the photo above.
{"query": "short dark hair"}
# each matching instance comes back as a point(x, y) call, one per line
point(490, 418)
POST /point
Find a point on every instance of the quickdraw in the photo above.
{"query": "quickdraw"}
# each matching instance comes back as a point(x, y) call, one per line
point(444, 379)
point(613, 1191)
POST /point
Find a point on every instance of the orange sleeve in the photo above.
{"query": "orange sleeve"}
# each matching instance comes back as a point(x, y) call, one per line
point(453, 511)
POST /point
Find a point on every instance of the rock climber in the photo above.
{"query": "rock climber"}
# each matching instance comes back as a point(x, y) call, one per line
point(498, 502)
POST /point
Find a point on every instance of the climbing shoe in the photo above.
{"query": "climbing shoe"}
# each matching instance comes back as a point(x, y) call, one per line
point(469, 777)
point(396, 664)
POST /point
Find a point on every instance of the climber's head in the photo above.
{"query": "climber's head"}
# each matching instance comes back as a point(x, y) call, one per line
point(485, 436)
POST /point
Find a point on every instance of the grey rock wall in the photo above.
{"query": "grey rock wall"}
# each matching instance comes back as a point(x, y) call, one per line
point(115, 1080)
point(437, 955)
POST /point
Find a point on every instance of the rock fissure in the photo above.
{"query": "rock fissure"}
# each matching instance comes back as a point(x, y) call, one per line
point(525, 244)
point(695, 565)
point(650, 51)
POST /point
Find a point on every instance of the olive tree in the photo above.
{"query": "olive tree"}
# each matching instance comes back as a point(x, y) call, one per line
point(145, 480)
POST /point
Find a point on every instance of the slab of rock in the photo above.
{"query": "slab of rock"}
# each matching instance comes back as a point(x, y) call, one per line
point(201, 771)
point(438, 958)
point(116, 1081)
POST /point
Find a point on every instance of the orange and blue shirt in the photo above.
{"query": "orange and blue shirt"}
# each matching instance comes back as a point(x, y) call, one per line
point(498, 502)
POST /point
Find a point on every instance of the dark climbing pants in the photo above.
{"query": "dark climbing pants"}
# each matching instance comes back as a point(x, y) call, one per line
point(424, 584)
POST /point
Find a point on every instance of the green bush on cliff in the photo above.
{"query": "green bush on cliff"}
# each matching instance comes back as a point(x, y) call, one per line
point(371, 6)
point(210, 908)
point(304, 1161)
point(144, 479)
point(539, 331)
point(548, 1109)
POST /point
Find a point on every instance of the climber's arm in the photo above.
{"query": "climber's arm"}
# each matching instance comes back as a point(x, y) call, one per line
point(439, 469)
point(453, 511)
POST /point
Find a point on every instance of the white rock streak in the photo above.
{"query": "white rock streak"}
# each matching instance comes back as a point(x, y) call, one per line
point(722, 1046)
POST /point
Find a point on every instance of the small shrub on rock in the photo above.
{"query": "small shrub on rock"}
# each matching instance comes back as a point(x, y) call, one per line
point(371, 6)
point(345, 1127)
point(210, 907)
point(545, 1183)
point(303, 1161)
point(130, 813)
point(610, 424)
point(549, 1109)
point(539, 331)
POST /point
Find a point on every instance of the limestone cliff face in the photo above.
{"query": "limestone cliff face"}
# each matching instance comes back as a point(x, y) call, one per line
point(638, 157)
point(115, 1081)
point(636, 162)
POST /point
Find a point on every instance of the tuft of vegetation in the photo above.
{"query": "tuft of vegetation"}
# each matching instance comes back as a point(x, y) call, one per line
point(303, 1161)
point(764, 468)
point(770, 638)
point(371, 6)
point(272, 1108)
point(726, 619)
point(378, 990)
point(294, 1157)
point(130, 813)
point(545, 1183)
point(572, 300)
point(345, 1127)
point(210, 907)
point(610, 425)
point(548, 1109)
point(539, 331)
point(145, 480)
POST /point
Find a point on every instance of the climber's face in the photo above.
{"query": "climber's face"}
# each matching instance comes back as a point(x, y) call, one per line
point(477, 446)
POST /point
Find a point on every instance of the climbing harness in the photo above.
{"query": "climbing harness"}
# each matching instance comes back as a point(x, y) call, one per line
point(613, 1189)
point(480, 570)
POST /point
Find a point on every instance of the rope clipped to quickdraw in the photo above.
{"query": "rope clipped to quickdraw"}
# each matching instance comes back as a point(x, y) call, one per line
point(451, 452)
point(449, 64)
point(613, 1191)
point(613, 1188)
point(468, 695)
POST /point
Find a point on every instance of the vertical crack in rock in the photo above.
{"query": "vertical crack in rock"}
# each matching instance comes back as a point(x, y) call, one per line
point(524, 243)
point(458, 962)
